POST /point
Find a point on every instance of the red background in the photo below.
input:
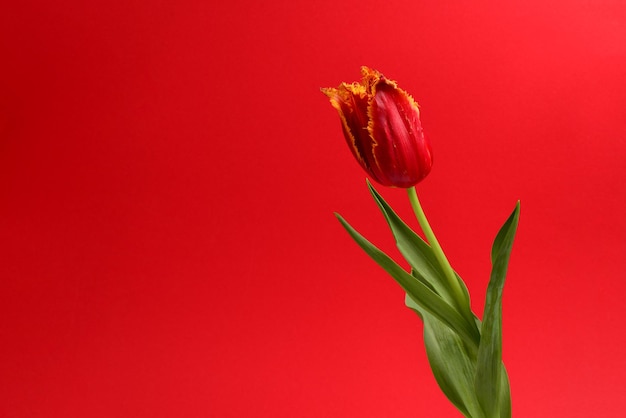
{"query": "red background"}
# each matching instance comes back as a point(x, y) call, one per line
point(169, 170)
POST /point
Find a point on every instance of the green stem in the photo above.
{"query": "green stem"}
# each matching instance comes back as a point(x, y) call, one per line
point(453, 281)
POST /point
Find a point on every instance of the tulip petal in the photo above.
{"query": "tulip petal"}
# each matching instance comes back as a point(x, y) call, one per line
point(402, 153)
point(351, 101)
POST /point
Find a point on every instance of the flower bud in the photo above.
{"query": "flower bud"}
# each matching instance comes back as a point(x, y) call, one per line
point(382, 127)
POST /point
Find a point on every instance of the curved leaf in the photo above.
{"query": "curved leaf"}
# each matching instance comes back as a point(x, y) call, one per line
point(453, 368)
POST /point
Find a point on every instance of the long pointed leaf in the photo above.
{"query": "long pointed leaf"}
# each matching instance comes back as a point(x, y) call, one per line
point(492, 386)
point(421, 294)
point(420, 255)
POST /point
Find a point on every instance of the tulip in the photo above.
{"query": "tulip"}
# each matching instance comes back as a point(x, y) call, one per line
point(382, 127)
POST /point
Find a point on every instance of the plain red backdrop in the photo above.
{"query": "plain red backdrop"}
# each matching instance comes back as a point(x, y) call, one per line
point(169, 170)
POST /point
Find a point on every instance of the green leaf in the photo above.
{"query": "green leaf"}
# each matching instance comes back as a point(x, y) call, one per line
point(492, 385)
point(422, 294)
point(453, 367)
point(420, 256)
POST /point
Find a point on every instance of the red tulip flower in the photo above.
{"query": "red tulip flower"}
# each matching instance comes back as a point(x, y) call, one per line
point(382, 126)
